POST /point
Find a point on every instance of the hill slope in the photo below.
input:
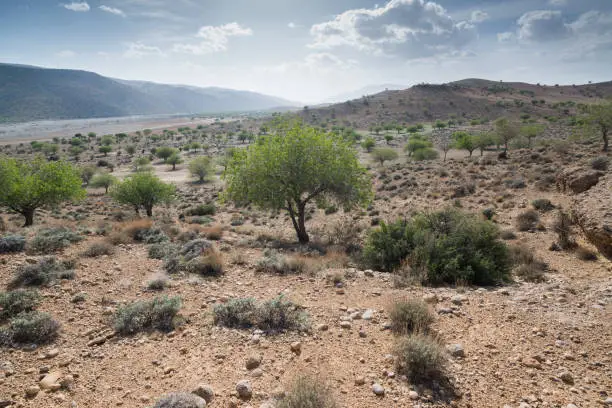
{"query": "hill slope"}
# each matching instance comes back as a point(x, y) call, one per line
point(466, 99)
point(32, 93)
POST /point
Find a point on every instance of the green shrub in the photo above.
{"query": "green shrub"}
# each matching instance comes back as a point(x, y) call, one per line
point(180, 400)
point(420, 358)
point(202, 209)
point(151, 236)
point(600, 163)
point(425, 154)
point(30, 328)
point(52, 240)
point(527, 266)
point(98, 249)
point(410, 316)
point(162, 250)
point(507, 235)
point(17, 301)
point(275, 315)
point(442, 247)
point(542, 204)
point(12, 243)
point(527, 220)
point(208, 264)
point(276, 263)
point(308, 392)
point(42, 273)
point(156, 314)
point(158, 283)
point(488, 213)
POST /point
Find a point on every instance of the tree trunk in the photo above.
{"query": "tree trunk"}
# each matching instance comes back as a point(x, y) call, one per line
point(173, 166)
point(605, 140)
point(149, 210)
point(301, 232)
point(445, 152)
point(29, 217)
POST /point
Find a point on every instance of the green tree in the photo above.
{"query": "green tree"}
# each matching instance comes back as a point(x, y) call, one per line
point(174, 159)
point(164, 152)
point(107, 140)
point(143, 190)
point(598, 118)
point(130, 149)
point(505, 131)
point(483, 140)
point(106, 150)
point(87, 172)
point(103, 180)
point(201, 167)
point(290, 170)
point(531, 132)
point(383, 154)
point(368, 144)
point(417, 142)
point(26, 186)
point(141, 162)
point(388, 138)
point(465, 141)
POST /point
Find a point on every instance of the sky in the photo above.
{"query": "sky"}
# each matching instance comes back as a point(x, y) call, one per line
point(310, 50)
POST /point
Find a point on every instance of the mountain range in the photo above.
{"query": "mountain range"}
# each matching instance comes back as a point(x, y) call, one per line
point(30, 93)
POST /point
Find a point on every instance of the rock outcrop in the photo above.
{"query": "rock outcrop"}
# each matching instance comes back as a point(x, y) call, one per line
point(592, 211)
point(577, 180)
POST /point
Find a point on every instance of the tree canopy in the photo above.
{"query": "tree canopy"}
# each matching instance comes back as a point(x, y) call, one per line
point(598, 118)
point(201, 167)
point(28, 185)
point(294, 167)
point(143, 190)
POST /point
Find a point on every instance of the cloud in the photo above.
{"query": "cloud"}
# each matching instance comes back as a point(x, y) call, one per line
point(542, 25)
point(77, 6)
point(213, 39)
point(410, 28)
point(593, 22)
point(291, 25)
point(112, 10)
point(66, 54)
point(557, 3)
point(478, 16)
point(506, 37)
point(313, 63)
point(139, 50)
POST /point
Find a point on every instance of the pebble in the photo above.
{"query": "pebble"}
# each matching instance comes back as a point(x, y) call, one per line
point(430, 298)
point(345, 325)
point(32, 391)
point(567, 377)
point(244, 389)
point(253, 362)
point(296, 347)
point(413, 395)
point(322, 327)
point(204, 391)
point(51, 381)
point(368, 314)
point(360, 380)
point(458, 300)
point(456, 350)
point(378, 389)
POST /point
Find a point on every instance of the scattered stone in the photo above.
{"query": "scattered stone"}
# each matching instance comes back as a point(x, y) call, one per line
point(51, 381)
point(204, 391)
point(360, 381)
point(244, 389)
point(456, 350)
point(458, 300)
point(52, 353)
point(296, 347)
point(322, 327)
point(378, 389)
point(253, 362)
point(345, 325)
point(567, 377)
point(430, 298)
point(32, 391)
point(413, 395)
point(368, 314)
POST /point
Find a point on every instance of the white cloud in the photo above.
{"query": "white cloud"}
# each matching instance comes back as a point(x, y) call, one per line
point(139, 50)
point(291, 25)
point(213, 39)
point(542, 25)
point(77, 6)
point(478, 16)
point(66, 54)
point(411, 28)
point(112, 10)
point(557, 3)
point(506, 37)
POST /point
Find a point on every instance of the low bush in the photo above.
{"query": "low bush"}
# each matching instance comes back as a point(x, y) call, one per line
point(527, 266)
point(410, 316)
point(507, 235)
point(420, 358)
point(527, 221)
point(208, 264)
point(275, 263)
point(563, 228)
point(542, 204)
point(600, 163)
point(30, 328)
point(42, 273)
point(201, 210)
point(157, 283)
point(18, 301)
point(162, 251)
point(442, 247)
point(52, 240)
point(425, 154)
point(98, 249)
point(213, 233)
point(180, 400)
point(308, 392)
point(12, 243)
point(151, 236)
point(156, 314)
point(275, 315)
point(585, 254)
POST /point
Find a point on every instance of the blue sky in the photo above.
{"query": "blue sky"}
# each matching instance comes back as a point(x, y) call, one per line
point(309, 50)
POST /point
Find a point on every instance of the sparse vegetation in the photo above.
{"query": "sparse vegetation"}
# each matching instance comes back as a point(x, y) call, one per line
point(12, 243)
point(42, 273)
point(18, 301)
point(143, 190)
point(308, 392)
point(180, 400)
point(420, 358)
point(410, 316)
point(49, 240)
point(29, 328)
point(527, 220)
point(156, 314)
point(98, 249)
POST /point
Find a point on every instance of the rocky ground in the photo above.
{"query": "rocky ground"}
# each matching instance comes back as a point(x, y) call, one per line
point(522, 345)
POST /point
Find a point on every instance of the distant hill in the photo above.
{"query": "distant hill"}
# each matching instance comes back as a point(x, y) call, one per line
point(366, 90)
point(462, 100)
point(31, 93)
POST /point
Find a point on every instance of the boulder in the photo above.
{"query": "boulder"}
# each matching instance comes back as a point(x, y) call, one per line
point(577, 180)
point(592, 212)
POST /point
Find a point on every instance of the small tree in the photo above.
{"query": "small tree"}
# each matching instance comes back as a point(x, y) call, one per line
point(531, 132)
point(143, 190)
point(388, 138)
point(141, 162)
point(107, 140)
point(505, 131)
point(27, 186)
point(383, 154)
point(130, 149)
point(368, 144)
point(417, 142)
point(464, 140)
point(106, 150)
point(87, 172)
point(444, 143)
point(482, 141)
point(174, 159)
point(290, 170)
point(201, 167)
point(164, 152)
point(105, 180)
point(598, 117)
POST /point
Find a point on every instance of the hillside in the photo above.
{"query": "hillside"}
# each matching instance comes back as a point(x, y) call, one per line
point(467, 99)
point(31, 93)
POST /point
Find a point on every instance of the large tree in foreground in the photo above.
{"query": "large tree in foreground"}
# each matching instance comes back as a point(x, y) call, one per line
point(26, 186)
point(598, 118)
point(143, 190)
point(295, 167)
